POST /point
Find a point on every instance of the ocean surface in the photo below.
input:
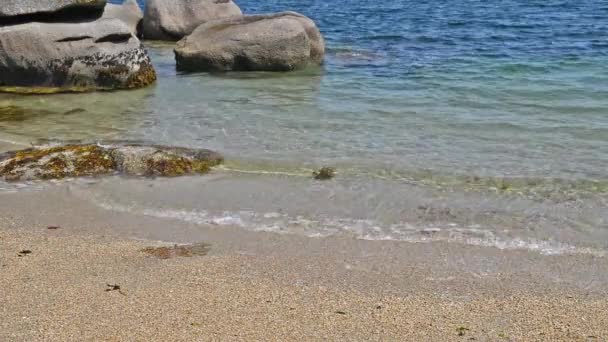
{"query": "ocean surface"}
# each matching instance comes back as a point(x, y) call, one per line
point(473, 122)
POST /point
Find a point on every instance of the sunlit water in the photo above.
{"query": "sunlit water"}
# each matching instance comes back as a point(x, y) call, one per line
point(480, 122)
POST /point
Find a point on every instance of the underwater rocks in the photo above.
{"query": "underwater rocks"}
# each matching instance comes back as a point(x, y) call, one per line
point(94, 160)
point(273, 42)
point(172, 20)
point(324, 173)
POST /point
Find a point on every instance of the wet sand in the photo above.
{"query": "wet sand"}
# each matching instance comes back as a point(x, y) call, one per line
point(92, 277)
point(265, 286)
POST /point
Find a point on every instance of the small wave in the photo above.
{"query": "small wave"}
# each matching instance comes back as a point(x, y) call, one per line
point(384, 37)
point(263, 172)
point(356, 56)
point(523, 68)
point(281, 223)
point(19, 187)
point(10, 140)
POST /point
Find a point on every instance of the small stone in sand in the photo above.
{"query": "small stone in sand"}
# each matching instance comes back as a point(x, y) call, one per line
point(462, 330)
point(114, 288)
point(24, 252)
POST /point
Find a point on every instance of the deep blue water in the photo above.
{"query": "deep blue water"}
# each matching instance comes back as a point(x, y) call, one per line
point(415, 34)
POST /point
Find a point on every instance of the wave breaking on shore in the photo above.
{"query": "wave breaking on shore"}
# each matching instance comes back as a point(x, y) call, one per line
point(321, 227)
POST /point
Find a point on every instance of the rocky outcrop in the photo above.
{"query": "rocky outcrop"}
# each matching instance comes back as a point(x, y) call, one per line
point(77, 56)
point(276, 42)
point(129, 13)
point(172, 20)
point(13, 8)
point(94, 160)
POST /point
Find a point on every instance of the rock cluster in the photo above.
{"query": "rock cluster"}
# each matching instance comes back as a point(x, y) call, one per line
point(93, 160)
point(214, 35)
point(68, 45)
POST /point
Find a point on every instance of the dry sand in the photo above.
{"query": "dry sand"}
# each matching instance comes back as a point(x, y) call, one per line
point(60, 292)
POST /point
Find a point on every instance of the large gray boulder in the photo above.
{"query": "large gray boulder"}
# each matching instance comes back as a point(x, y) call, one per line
point(10, 8)
point(129, 13)
point(100, 54)
point(276, 42)
point(172, 20)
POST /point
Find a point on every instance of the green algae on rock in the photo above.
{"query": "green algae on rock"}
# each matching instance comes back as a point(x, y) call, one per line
point(56, 163)
point(94, 160)
point(163, 161)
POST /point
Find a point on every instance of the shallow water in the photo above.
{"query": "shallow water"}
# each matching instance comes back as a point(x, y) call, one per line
point(491, 117)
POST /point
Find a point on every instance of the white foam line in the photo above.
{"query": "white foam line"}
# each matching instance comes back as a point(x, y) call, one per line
point(360, 229)
point(14, 142)
point(261, 172)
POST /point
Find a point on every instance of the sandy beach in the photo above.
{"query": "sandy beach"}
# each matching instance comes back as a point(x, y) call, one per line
point(272, 287)
point(242, 170)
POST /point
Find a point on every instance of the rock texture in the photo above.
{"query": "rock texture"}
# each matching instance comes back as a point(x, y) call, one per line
point(129, 13)
point(10, 8)
point(76, 56)
point(93, 160)
point(172, 20)
point(276, 42)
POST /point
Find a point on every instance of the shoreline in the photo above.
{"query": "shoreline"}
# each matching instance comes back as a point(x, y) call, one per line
point(260, 285)
point(486, 268)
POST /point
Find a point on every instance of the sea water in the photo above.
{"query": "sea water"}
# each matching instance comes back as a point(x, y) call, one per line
point(474, 122)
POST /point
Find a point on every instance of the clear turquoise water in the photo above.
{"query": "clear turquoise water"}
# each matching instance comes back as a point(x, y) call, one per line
point(479, 106)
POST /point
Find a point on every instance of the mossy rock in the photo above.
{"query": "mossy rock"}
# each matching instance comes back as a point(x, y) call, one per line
point(164, 161)
point(57, 162)
point(324, 173)
point(94, 160)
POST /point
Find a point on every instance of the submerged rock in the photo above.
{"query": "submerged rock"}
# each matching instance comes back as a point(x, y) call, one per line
point(274, 42)
point(93, 160)
point(163, 160)
point(103, 54)
point(324, 173)
point(13, 113)
point(10, 8)
point(129, 13)
point(172, 20)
